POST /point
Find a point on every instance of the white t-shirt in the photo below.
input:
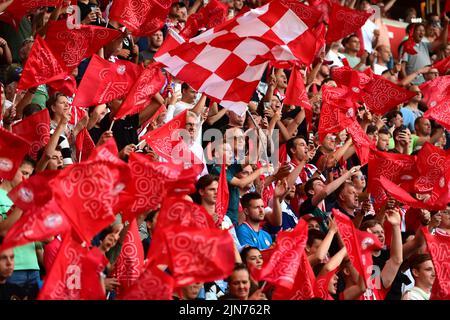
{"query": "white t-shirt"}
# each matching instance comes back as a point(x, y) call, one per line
point(367, 31)
point(416, 294)
point(378, 69)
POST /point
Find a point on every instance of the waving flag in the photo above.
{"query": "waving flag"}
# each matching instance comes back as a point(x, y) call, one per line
point(284, 263)
point(149, 83)
point(38, 224)
point(398, 168)
point(142, 17)
point(227, 62)
point(105, 81)
point(41, 67)
point(84, 145)
point(443, 66)
point(223, 195)
point(361, 142)
point(199, 255)
point(36, 129)
point(11, 161)
point(130, 263)
point(73, 45)
point(439, 247)
point(153, 284)
point(92, 188)
point(18, 9)
point(344, 21)
point(165, 138)
point(440, 113)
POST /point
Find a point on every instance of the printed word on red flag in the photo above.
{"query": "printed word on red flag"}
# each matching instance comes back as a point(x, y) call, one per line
point(147, 85)
point(344, 21)
point(41, 66)
point(36, 129)
point(303, 288)
point(18, 9)
point(153, 284)
point(92, 188)
point(227, 62)
point(130, 263)
point(140, 17)
point(199, 255)
point(105, 81)
point(11, 161)
point(72, 45)
point(398, 168)
point(439, 248)
point(63, 282)
point(284, 263)
point(165, 138)
point(440, 113)
point(436, 91)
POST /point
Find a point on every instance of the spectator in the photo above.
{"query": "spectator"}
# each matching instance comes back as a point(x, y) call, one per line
point(424, 274)
point(9, 291)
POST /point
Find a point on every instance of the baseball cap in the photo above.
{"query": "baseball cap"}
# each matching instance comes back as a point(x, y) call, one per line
point(13, 73)
point(310, 216)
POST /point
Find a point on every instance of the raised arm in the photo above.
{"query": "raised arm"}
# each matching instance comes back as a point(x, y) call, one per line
point(322, 251)
point(393, 264)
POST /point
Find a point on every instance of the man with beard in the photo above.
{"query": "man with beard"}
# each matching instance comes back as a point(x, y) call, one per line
point(154, 42)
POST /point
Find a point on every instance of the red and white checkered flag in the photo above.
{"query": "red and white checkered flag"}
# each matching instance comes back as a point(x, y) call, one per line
point(227, 62)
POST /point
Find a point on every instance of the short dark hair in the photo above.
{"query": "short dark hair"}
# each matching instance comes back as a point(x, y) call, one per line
point(417, 259)
point(392, 114)
point(309, 185)
point(347, 39)
point(30, 109)
point(238, 267)
point(314, 235)
point(398, 130)
point(245, 251)
point(246, 198)
point(369, 224)
point(371, 129)
point(384, 131)
point(291, 143)
point(205, 181)
point(342, 187)
point(184, 86)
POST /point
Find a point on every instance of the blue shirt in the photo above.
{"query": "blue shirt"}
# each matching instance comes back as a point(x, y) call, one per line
point(258, 239)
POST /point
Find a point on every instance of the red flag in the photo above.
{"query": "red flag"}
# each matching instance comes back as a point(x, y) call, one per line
point(130, 262)
point(153, 284)
point(18, 9)
point(400, 194)
point(443, 66)
point(436, 91)
point(73, 45)
point(408, 45)
point(164, 139)
point(447, 6)
point(337, 113)
point(11, 161)
point(223, 195)
point(381, 95)
point(176, 211)
point(41, 66)
point(141, 17)
point(361, 142)
point(63, 282)
point(199, 255)
point(92, 266)
point(439, 247)
point(66, 85)
point(344, 21)
point(284, 263)
point(214, 14)
point(368, 243)
point(84, 145)
point(33, 192)
point(149, 83)
point(296, 93)
point(398, 168)
point(38, 224)
point(104, 81)
point(321, 285)
point(349, 236)
point(303, 288)
point(353, 79)
point(148, 178)
point(310, 15)
point(440, 113)
point(324, 6)
point(36, 129)
point(92, 188)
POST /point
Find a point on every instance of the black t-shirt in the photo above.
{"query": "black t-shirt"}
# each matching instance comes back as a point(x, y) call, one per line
point(9, 291)
point(95, 134)
point(124, 130)
point(85, 9)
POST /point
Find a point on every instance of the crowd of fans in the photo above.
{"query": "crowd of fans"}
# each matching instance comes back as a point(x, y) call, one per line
point(311, 177)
